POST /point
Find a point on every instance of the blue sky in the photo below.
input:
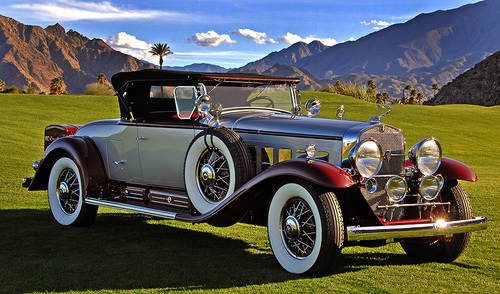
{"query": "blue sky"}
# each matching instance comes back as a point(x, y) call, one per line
point(226, 33)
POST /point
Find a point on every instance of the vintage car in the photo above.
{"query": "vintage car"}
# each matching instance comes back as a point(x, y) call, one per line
point(228, 148)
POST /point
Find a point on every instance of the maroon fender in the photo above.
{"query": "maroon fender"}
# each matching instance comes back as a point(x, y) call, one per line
point(452, 169)
point(318, 172)
point(85, 155)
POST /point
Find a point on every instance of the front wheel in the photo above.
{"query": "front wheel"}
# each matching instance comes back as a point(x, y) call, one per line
point(306, 230)
point(446, 248)
point(65, 195)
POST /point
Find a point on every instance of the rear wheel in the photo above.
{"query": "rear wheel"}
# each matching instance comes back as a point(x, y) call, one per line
point(446, 248)
point(65, 195)
point(306, 230)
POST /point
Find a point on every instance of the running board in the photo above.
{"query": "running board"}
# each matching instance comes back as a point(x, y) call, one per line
point(131, 208)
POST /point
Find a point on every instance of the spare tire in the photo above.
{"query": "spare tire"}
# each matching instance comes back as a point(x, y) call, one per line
point(217, 163)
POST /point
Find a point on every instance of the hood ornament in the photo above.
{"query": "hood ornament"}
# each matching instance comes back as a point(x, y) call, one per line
point(376, 119)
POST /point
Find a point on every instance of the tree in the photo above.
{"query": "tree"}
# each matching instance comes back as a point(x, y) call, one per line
point(101, 79)
point(413, 96)
point(56, 86)
point(2, 85)
point(378, 98)
point(160, 49)
point(407, 88)
point(420, 97)
point(385, 97)
point(371, 88)
point(435, 87)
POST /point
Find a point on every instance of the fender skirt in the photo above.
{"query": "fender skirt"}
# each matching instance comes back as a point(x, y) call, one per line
point(452, 169)
point(83, 151)
point(231, 209)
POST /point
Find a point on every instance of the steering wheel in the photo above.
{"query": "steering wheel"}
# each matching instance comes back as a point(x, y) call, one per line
point(270, 104)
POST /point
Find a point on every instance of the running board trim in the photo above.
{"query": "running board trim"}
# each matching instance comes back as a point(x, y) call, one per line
point(131, 208)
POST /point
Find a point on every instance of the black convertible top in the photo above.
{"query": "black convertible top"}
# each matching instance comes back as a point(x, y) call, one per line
point(119, 80)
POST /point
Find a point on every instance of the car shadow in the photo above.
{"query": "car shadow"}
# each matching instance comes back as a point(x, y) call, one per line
point(129, 251)
point(124, 251)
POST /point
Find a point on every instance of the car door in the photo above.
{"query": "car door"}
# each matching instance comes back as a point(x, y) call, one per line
point(162, 149)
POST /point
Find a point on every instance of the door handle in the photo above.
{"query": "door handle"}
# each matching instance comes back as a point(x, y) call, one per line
point(121, 161)
point(141, 138)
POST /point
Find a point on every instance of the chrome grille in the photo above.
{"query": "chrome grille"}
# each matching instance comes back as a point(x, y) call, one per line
point(392, 141)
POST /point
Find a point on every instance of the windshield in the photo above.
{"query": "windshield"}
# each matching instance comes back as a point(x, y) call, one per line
point(268, 96)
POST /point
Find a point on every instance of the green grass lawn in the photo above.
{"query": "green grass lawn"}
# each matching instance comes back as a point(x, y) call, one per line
point(130, 253)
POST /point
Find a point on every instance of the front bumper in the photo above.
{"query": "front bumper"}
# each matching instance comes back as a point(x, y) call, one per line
point(416, 230)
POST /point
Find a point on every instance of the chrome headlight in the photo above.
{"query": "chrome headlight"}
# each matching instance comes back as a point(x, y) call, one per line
point(396, 189)
point(426, 156)
point(366, 157)
point(430, 186)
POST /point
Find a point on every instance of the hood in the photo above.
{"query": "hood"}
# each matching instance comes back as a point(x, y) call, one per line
point(266, 122)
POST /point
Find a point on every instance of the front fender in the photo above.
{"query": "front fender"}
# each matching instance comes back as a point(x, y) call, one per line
point(232, 209)
point(85, 154)
point(452, 169)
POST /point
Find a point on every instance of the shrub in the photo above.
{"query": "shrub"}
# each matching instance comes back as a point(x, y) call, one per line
point(98, 89)
point(12, 90)
point(349, 89)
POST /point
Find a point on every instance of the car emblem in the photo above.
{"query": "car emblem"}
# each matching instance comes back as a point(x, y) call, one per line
point(387, 155)
point(382, 128)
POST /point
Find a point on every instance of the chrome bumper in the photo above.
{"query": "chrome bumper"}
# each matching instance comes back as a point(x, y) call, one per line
point(413, 231)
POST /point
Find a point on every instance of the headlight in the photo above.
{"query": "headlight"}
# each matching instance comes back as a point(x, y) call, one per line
point(366, 157)
point(430, 186)
point(396, 189)
point(426, 156)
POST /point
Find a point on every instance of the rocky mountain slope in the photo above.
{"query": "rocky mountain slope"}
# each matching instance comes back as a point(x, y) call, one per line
point(198, 67)
point(430, 48)
point(479, 85)
point(31, 56)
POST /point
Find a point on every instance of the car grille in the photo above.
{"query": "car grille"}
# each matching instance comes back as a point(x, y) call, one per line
point(392, 141)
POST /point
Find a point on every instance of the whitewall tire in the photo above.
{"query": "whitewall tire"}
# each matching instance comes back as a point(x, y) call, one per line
point(217, 163)
point(65, 195)
point(306, 230)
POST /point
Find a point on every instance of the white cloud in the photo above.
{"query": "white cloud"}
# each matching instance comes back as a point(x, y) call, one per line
point(210, 39)
point(126, 41)
point(380, 23)
point(351, 39)
point(290, 38)
point(74, 10)
point(257, 37)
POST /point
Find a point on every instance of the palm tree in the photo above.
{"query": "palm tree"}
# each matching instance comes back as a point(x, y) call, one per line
point(420, 97)
point(413, 95)
point(160, 49)
point(435, 87)
point(101, 79)
point(385, 97)
point(2, 85)
point(56, 86)
point(371, 88)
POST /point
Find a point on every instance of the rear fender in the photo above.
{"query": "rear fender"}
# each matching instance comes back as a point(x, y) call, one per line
point(234, 207)
point(452, 169)
point(85, 154)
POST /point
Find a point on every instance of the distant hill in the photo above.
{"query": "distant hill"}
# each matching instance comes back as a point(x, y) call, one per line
point(31, 56)
point(287, 56)
point(430, 48)
point(199, 67)
point(479, 85)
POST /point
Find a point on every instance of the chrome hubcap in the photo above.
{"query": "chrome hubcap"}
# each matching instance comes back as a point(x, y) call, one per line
point(68, 191)
point(298, 228)
point(213, 176)
point(207, 174)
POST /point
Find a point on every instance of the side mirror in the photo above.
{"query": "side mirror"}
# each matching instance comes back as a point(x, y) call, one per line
point(340, 112)
point(313, 107)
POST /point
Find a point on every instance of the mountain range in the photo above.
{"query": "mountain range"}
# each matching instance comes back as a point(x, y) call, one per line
point(430, 48)
point(31, 56)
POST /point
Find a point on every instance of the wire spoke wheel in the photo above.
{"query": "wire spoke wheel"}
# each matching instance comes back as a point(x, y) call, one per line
point(213, 175)
point(298, 228)
point(68, 191)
